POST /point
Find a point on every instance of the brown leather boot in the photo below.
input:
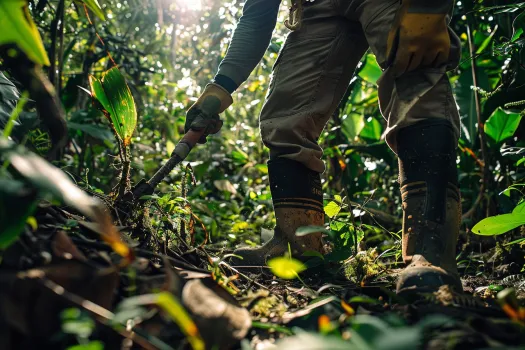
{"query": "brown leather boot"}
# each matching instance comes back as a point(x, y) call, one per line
point(298, 201)
point(431, 207)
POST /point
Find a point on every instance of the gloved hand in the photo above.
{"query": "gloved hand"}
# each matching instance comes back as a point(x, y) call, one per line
point(204, 114)
point(419, 36)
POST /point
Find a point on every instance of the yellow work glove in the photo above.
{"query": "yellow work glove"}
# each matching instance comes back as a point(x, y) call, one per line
point(419, 37)
point(204, 114)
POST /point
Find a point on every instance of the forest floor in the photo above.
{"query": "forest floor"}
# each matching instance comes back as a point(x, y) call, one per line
point(61, 285)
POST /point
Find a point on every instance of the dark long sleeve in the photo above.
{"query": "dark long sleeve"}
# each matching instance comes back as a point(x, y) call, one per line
point(250, 40)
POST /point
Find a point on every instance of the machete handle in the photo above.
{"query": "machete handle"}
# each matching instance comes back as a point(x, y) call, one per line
point(181, 151)
point(192, 137)
point(188, 141)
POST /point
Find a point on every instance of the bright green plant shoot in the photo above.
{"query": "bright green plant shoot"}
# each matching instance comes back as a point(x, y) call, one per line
point(286, 267)
point(18, 28)
point(94, 6)
point(117, 102)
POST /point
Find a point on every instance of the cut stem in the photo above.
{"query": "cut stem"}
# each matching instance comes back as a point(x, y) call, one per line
point(125, 157)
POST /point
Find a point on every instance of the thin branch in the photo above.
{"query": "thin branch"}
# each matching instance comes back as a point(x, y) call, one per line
point(481, 131)
point(54, 35)
point(58, 83)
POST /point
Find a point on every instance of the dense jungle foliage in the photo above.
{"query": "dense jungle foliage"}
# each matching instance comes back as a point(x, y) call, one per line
point(93, 95)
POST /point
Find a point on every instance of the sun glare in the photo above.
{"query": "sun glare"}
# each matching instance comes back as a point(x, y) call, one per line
point(193, 5)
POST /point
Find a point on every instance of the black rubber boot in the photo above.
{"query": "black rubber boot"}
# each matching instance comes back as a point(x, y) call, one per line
point(297, 201)
point(431, 206)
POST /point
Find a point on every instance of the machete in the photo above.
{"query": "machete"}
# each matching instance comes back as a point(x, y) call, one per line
point(181, 151)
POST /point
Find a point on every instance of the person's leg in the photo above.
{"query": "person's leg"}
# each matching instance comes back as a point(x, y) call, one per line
point(309, 79)
point(423, 129)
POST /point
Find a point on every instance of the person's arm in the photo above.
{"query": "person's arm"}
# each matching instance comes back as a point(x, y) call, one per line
point(249, 43)
point(250, 40)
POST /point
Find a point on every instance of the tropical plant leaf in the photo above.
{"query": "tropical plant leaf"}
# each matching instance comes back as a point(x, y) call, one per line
point(92, 345)
point(8, 97)
point(8, 90)
point(177, 312)
point(94, 6)
point(502, 124)
point(499, 224)
point(17, 203)
point(352, 125)
point(286, 268)
point(101, 132)
point(174, 309)
point(486, 42)
point(518, 25)
point(8, 127)
point(371, 70)
point(50, 180)
point(332, 209)
point(117, 102)
point(18, 28)
point(372, 130)
point(520, 209)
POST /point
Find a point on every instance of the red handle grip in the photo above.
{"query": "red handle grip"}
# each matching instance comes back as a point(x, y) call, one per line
point(192, 137)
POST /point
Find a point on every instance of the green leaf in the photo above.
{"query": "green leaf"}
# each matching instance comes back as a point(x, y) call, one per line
point(502, 124)
point(497, 225)
point(486, 42)
point(352, 125)
point(262, 168)
point(363, 299)
point(94, 6)
point(17, 204)
point(307, 230)
point(179, 314)
point(8, 97)
point(117, 102)
point(372, 130)
point(93, 345)
point(518, 25)
point(517, 34)
point(18, 28)
point(286, 268)
point(465, 98)
point(77, 323)
point(15, 114)
point(332, 209)
point(520, 209)
point(371, 70)
point(101, 132)
point(173, 308)
point(496, 288)
point(52, 181)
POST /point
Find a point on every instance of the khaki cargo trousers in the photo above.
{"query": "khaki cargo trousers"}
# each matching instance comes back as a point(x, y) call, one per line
point(314, 69)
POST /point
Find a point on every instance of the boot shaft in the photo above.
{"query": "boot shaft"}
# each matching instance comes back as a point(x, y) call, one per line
point(427, 241)
point(298, 201)
point(430, 194)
